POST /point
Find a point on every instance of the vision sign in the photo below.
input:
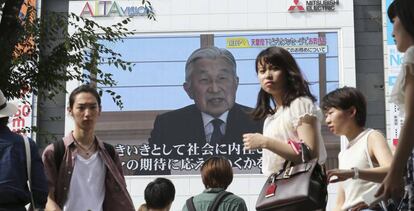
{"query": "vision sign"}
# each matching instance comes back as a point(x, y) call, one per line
point(313, 6)
point(113, 8)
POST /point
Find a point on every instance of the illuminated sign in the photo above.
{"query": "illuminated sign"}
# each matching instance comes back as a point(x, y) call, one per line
point(293, 45)
point(314, 6)
point(113, 8)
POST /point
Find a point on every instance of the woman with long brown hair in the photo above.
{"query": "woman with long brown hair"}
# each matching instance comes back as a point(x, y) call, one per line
point(289, 109)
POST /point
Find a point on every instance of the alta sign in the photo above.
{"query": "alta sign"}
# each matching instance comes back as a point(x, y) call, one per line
point(113, 8)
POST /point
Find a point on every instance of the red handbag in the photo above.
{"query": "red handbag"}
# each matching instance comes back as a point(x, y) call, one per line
point(295, 187)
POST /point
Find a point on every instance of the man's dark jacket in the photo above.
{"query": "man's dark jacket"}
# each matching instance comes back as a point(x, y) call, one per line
point(185, 125)
point(14, 193)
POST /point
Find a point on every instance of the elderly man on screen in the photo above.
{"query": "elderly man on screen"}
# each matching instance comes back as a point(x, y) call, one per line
point(211, 81)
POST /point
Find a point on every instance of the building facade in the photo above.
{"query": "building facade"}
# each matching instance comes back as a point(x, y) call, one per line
point(336, 44)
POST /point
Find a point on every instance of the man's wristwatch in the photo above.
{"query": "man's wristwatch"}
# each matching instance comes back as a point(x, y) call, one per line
point(356, 173)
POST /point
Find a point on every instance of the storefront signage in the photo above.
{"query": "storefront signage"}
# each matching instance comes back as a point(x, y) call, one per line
point(395, 58)
point(23, 118)
point(313, 6)
point(21, 122)
point(113, 8)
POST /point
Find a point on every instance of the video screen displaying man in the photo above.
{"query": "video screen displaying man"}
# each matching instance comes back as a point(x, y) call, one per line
point(214, 124)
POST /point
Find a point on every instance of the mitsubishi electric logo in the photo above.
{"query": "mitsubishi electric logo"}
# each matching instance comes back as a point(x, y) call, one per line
point(314, 6)
point(297, 6)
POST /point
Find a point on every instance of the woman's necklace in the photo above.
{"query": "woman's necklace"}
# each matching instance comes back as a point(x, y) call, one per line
point(86, 150)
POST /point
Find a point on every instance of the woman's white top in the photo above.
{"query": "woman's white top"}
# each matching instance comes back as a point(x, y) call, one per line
point(397, 94)
point(282, 126)
point(356, 155)
point(87, 185)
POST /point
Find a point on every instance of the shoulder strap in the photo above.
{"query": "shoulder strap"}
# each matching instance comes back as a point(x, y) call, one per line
point(306, 155)
point(59, 152)
point(110, 149)
point(29, 167)
point(190, 204)
point(219, 198)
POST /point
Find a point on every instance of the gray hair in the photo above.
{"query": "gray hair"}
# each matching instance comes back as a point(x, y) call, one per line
point(211, 52)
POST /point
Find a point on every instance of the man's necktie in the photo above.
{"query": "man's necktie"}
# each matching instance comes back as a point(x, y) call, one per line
point(216, 136)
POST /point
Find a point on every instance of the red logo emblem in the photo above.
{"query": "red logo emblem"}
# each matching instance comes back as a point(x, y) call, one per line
point(297, 5)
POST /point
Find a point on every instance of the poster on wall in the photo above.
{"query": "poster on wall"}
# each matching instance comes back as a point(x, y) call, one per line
point(164, 127)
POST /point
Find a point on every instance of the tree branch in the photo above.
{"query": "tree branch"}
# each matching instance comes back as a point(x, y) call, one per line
point(10, 26)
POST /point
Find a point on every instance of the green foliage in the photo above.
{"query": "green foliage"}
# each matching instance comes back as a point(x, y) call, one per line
point(48, 55)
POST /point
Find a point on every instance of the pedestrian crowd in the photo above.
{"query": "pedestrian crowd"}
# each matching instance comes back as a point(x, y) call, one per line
point(81, 172)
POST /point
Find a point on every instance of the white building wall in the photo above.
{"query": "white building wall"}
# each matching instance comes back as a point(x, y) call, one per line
point(187, 16)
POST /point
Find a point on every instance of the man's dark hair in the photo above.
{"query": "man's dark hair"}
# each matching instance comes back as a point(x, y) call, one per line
point(343, 99)
point(4, 121)
point(81, 89)
point(159, 193)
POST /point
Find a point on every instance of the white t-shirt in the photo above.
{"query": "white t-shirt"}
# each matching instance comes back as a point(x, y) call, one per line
point(397, 95)
point(87, 185)
point(282, 127)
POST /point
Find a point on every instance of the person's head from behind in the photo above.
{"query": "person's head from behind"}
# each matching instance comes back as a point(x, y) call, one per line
point(211, 80)
point(345, 109)
point(7, 109)
point(280, 78)
point(216, 172)
point(84, 106)
point(159, 195)
point(401, 14)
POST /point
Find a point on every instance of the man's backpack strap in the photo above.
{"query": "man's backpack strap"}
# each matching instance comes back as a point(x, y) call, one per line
point(110, 149)
point(219, 198)
point(59, 152)
point(214, 206)
point(190, 204)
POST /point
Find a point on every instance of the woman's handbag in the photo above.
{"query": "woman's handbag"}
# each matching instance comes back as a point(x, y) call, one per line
point(295, 187)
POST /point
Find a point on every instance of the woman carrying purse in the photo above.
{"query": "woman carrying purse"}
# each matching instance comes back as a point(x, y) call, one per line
point(290, 113)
